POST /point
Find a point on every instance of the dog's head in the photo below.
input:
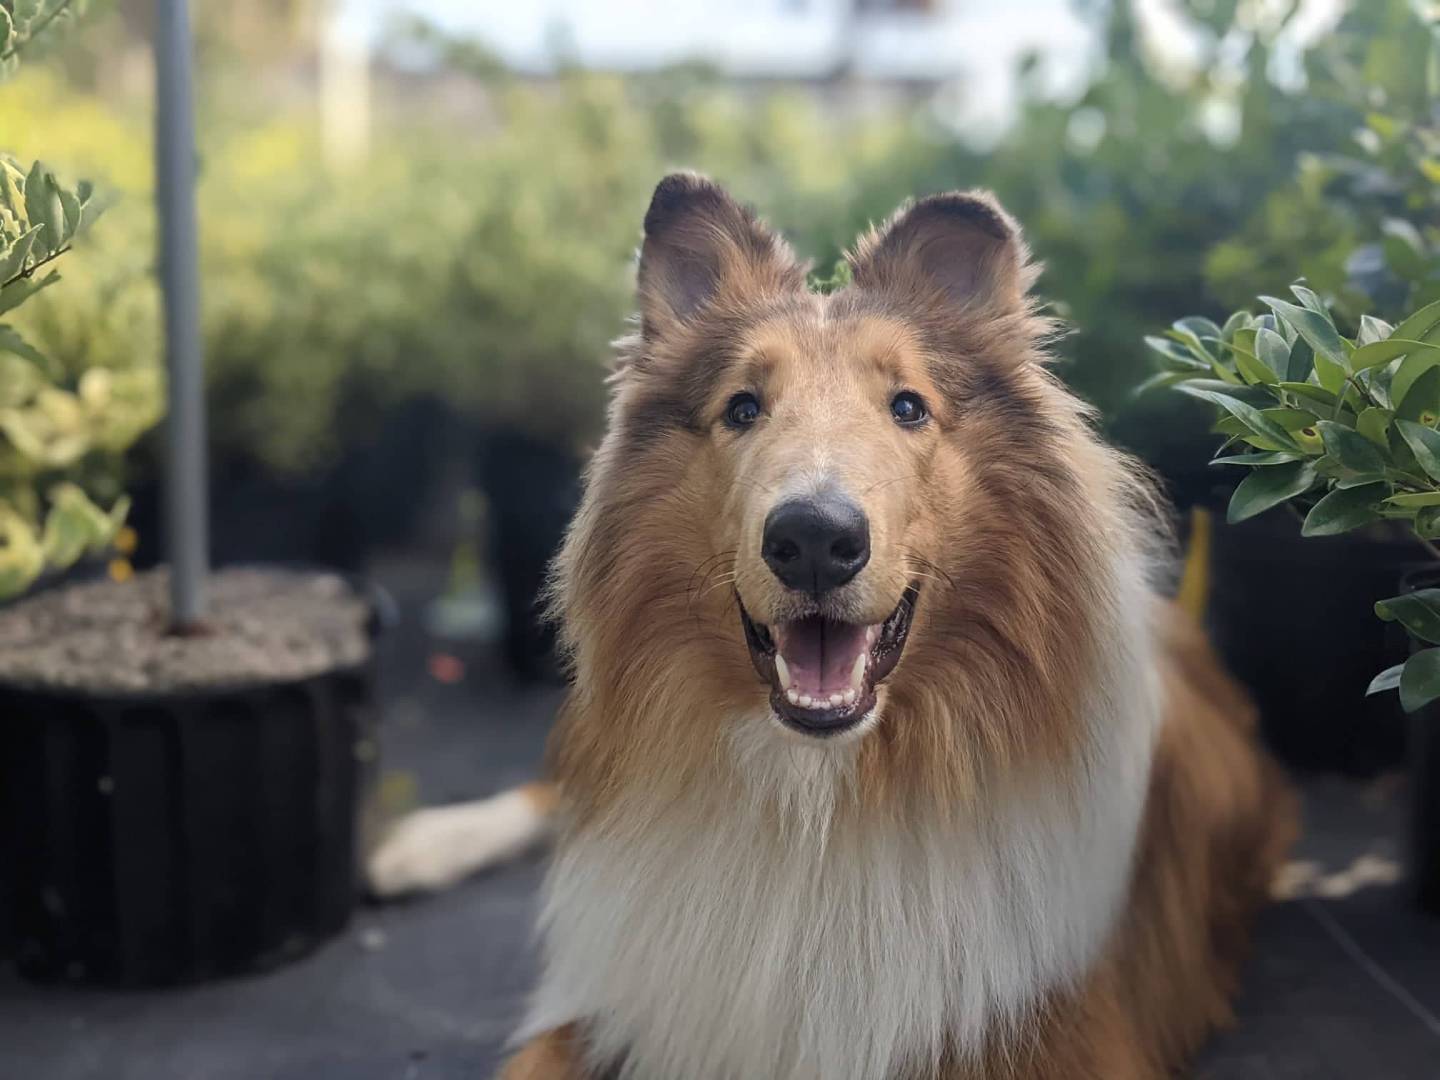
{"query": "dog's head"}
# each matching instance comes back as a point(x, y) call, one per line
point(817, 487)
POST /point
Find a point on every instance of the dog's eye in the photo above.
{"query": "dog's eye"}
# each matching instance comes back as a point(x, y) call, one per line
point(743, 410)
point(907, 408)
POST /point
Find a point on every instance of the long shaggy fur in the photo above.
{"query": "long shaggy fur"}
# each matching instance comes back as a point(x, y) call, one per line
point(1038, 857)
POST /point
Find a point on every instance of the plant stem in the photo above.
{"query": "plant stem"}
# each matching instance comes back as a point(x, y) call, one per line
point(1428, 546)
point(35, 31)
point(36, 266)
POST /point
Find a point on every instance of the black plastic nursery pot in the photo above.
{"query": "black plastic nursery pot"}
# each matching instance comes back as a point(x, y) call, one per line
point(1294, 619)
point(158, 838)
point(1424, 770)
point(532, 485)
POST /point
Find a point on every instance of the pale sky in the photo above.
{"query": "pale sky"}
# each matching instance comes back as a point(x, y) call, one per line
point(977, 41)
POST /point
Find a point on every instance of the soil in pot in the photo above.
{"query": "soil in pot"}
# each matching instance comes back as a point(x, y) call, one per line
point(178, 808)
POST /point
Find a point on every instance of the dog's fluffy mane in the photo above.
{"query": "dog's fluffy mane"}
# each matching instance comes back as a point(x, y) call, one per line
point(725, 904)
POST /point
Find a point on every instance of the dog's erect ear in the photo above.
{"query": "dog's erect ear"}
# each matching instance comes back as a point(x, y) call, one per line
point(700, 244)
point(959, 249)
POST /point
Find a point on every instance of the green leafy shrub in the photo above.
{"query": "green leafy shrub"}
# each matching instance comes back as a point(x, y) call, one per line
point(1341, 428)
point(63, 426)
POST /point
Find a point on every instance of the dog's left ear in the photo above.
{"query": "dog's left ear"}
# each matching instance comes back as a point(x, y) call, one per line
point(701, 247)
point(960, 249)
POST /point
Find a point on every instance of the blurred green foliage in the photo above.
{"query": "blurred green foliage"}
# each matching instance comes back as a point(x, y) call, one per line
point(483, 255)
point(70, 409)
point(1331, 408)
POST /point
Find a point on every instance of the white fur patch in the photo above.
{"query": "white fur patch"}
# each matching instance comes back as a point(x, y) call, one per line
point(737, 937)
point(435, 848)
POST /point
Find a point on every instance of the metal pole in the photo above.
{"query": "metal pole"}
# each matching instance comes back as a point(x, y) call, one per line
point(186, 508)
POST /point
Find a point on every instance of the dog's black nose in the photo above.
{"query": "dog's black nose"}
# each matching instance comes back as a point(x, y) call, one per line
point(816, 544)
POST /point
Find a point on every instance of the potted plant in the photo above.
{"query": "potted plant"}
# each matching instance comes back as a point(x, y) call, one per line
point(1344, 430)
point(184, 757)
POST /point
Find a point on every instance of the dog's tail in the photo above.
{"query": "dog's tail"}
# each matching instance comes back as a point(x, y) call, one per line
point(434, 848)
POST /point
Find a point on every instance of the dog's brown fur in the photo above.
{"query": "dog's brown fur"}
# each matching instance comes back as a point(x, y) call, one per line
point(1004, 507)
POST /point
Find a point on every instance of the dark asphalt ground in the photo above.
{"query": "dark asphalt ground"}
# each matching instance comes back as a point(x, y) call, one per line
point(1340, 986)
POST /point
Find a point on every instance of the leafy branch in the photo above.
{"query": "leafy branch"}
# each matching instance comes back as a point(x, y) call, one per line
point(33, 30)
point(1343, 429)
point(29, 271)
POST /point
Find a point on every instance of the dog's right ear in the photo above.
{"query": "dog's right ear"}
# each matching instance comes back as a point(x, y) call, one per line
point(701, 247)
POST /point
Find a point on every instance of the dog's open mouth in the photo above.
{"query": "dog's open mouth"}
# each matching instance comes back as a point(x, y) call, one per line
point(822, 672)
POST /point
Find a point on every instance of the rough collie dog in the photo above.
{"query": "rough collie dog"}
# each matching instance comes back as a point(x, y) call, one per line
point(882, 760)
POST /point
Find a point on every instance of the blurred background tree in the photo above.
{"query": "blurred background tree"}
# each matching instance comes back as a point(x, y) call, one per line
point(468, 267)
point(72, 406)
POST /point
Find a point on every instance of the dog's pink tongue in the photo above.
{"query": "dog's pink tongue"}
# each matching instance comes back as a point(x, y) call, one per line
point(819, 654)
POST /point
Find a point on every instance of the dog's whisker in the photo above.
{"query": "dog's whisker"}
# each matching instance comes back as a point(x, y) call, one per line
point(719, 583)
point(719, 556)
point(890, 480)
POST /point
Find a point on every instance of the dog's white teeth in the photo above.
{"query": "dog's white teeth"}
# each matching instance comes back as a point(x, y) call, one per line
point(782, 669)
point(806, 701)
point(836, 699)
point(793, 696)
point(857, 673)
point(848, 697)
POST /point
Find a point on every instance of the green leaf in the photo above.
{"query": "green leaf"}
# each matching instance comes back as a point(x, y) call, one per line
point(1409, 373)
point(1311, 392)
point(1253, 371)
point(1199, 326)
point(1420, 681)
point(1373, 330)
point(1290, 419)
point(1330, 374)
point(39, 191)
point(1160, 380)
point(1309, 299)
point(12, 342)
point(1374, 423)
point(1347, 480)
point(1176, 353)
point(1350, 448)
point(1419, 325)
point(1424, 442)
point(21, 558)
point(12, 296)
point(1265, 488)
point(70, 207)
point(1246, 414)
point(1315, 328)
point(7, 30)
point(1270, 348)
point(1257, 460)
point(1238, 321)
point(1418, 612)
point(1192, 342)
point(1382, 352)
point(1388, 679)
point(1427, 523)
point(1344, 509)
point(27, 11)
point(73, 526)
point(13, 261)
point(1415, 499)
point(1302, 361)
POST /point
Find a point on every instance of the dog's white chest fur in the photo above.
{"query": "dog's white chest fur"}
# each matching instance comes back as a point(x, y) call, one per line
point(713, 946)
